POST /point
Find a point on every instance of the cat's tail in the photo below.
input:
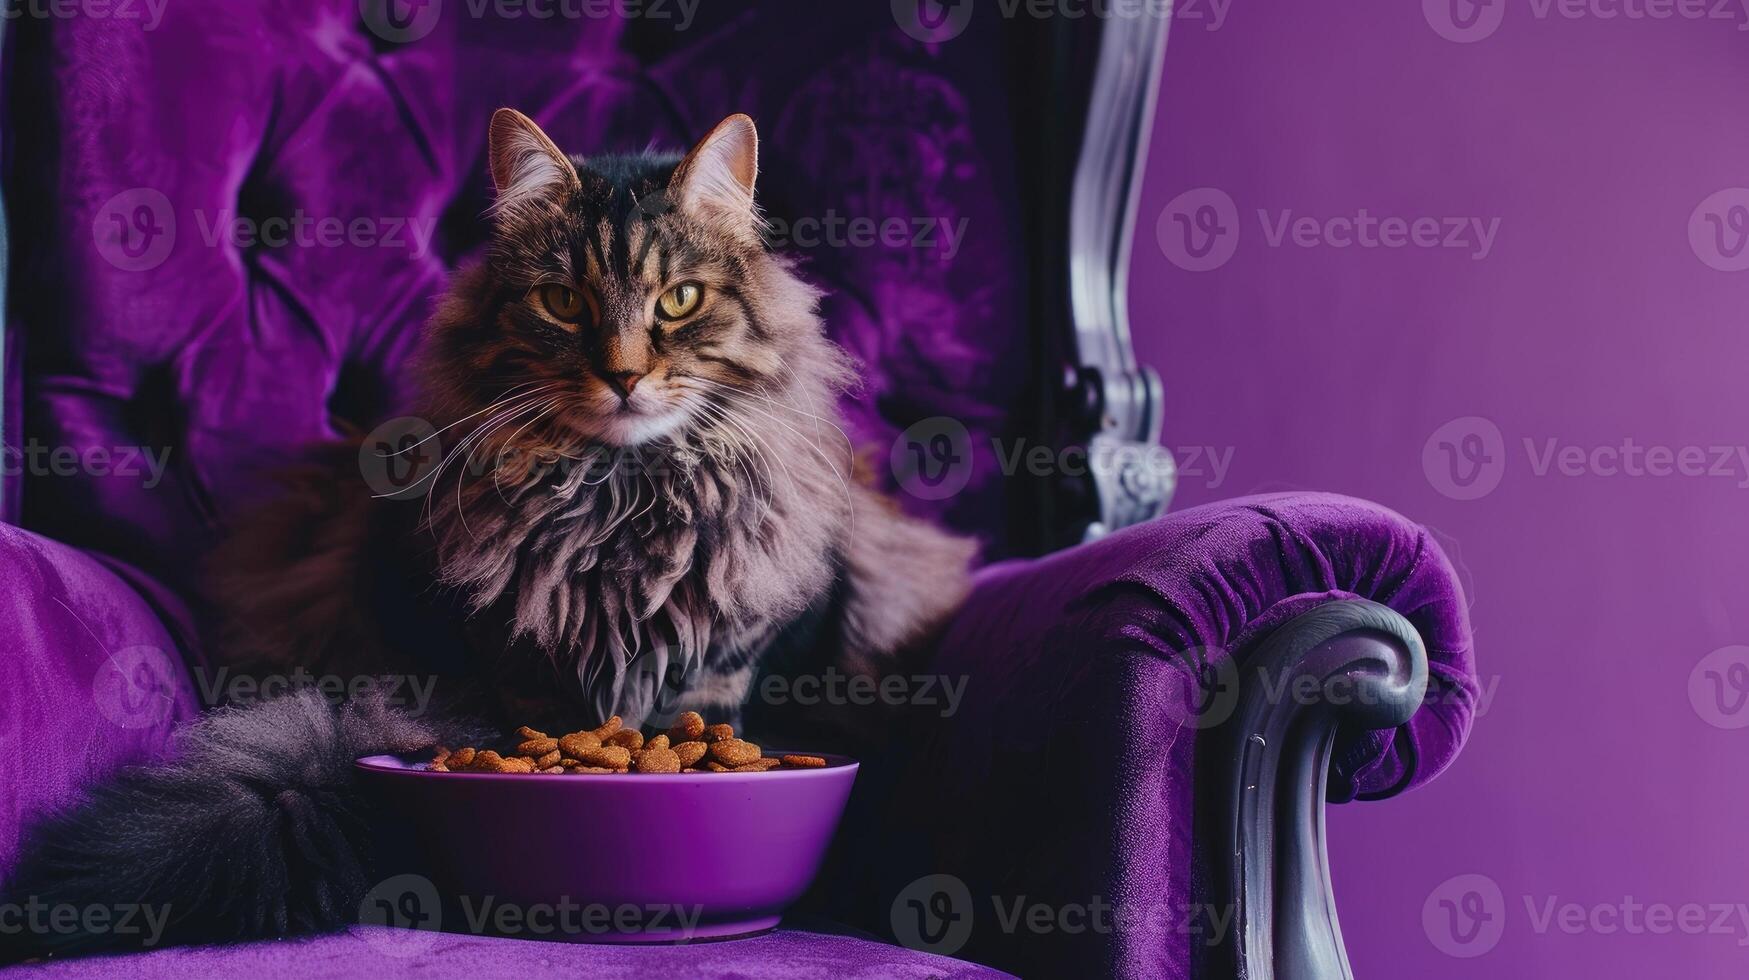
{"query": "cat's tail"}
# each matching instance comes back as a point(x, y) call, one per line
point(256, 828)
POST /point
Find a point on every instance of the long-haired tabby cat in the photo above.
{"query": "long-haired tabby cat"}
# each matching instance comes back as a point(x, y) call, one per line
point(646, 489)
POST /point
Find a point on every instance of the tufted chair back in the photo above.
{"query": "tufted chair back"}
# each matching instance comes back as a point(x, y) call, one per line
point(230, 220)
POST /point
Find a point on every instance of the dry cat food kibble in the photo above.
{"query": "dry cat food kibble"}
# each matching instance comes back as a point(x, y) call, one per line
point(689, 745)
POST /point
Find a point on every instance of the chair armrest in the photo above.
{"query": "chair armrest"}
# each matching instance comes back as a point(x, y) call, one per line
point(1263, 770)
point(1072, 769)
point(92, 677)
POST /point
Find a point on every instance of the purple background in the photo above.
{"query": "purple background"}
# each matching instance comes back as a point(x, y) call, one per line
point(1591, 777)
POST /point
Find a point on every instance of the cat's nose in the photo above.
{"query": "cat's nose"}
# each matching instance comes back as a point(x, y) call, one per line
point(624, 381)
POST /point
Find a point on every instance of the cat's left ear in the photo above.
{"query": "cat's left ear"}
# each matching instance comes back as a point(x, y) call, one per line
point(715, 181)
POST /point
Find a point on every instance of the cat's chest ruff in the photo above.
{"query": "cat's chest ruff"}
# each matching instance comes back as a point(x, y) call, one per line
point(648, 527)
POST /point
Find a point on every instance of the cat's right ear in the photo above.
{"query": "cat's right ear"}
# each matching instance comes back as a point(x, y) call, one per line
point(525, 163)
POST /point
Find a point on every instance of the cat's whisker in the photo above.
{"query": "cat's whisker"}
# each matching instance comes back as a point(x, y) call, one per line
point(765, 393)
point(843, 484)
point(460, 511)
point(724, 431)
point(765, 450)
point(438, 470)
point(510, 443)
point(754, 451)
point(473, 438)
point(443, 464)
point(467, 467)
point(764, 453)
point(501, 400)
point(502, 403)
point(849, 446)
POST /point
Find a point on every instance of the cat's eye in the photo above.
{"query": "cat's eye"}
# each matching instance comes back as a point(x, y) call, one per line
point(679, 301)
point(563, 303)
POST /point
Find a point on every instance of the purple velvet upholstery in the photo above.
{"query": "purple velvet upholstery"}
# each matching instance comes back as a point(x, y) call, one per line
point(231, 356)
point(91, 675)
point(372, 952)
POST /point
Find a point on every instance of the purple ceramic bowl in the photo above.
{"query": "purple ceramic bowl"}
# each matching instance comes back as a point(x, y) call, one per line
point(620, 858)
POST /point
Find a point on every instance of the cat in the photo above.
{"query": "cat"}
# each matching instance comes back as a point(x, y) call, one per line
point(648, 488)
point(649, 479)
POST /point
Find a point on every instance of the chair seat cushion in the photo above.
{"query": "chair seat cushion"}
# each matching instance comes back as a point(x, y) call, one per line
point(374, 951)
point(92, 676)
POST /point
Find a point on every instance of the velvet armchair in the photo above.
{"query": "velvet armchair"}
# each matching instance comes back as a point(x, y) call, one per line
point(226, 223)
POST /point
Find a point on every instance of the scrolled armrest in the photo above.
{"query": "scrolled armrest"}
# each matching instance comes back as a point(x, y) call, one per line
point(1347, 663)
point(1072, 770)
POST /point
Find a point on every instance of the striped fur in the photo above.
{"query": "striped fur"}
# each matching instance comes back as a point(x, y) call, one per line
point(632, 554)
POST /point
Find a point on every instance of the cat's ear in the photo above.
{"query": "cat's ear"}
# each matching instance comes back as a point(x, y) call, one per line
point(715, 181)
point(526, 165)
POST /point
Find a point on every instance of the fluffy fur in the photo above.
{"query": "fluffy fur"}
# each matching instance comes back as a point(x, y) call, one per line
point(611, 548)
point(252, 830)
point(640, 497)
